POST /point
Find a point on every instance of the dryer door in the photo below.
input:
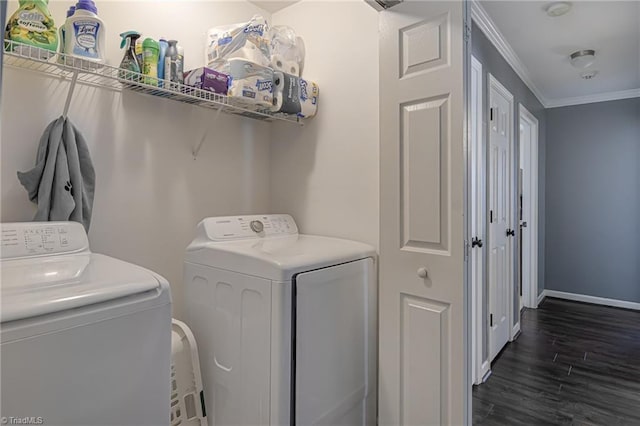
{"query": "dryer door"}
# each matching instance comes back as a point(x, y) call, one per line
point(335, 345)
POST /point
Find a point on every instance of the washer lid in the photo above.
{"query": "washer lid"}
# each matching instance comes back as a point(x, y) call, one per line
point(43, 285)
point(277, 258)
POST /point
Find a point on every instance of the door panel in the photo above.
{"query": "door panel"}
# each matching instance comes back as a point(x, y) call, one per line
point(335, 345)
point(422, 351)
point(499, 220)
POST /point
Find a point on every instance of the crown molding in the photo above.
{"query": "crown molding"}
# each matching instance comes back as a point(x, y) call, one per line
point(589, 99)
point(489, 28)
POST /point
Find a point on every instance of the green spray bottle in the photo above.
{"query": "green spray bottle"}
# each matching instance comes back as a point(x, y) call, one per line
point(130, 60)
point(150, 57)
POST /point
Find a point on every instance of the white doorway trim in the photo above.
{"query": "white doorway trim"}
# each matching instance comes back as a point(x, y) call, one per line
point(513, 320)
point(480, 365)
point(530, 292)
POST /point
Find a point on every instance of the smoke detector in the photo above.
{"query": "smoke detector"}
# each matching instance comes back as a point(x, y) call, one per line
point(588, 75)
point(558, 8)
point(582, 59)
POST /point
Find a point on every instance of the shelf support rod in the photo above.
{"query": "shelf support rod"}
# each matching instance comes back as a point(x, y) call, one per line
point(196, 149)
point(67, 103)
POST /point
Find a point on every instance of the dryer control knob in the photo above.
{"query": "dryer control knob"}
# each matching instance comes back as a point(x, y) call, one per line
point(256, 226)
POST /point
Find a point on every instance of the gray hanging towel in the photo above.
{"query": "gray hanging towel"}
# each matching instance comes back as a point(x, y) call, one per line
point(63, 181)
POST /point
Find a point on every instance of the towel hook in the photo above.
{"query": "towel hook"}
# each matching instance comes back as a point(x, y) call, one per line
point(67, 103)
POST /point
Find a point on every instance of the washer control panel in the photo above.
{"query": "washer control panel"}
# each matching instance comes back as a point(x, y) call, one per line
point(26, 239)
point(252, 226)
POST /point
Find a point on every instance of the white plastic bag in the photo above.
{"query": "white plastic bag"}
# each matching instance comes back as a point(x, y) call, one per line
point(248, 41)
point(287, 50)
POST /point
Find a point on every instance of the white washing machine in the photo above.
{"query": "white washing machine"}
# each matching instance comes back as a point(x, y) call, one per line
point(286, 324)
point(85, 338)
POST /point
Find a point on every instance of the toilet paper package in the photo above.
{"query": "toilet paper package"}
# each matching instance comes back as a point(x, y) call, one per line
point(250, 84)
point(287, 50)
point(207, 79)
point(294, 95)
point(286, 93)
point(309, 93)
point(248, 40)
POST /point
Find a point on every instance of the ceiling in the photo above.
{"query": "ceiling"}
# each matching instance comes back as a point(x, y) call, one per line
point(542, 45)
point(272, 6)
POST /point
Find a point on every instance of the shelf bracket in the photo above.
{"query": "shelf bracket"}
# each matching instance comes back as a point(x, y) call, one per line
point(72, 86)
point(196, 149)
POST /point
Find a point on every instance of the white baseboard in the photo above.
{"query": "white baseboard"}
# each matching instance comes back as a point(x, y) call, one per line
point(541, 297)
point(485, 372)
point(514, 332)
point(592, 299)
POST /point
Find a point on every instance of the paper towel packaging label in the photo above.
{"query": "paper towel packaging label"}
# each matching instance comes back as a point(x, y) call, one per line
point(309, 92)
point(258, 29)
point(263, 85)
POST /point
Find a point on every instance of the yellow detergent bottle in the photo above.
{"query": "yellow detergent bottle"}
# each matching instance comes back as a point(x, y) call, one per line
point(32, 25)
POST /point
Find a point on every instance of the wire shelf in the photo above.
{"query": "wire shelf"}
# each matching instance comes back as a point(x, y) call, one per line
point(23, 56)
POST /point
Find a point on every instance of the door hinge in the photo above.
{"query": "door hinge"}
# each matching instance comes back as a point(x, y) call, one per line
point(490, 216)
point(467, 32)
point(490, 320)
point(511, 233)
point(490, 114)
point(476, 242)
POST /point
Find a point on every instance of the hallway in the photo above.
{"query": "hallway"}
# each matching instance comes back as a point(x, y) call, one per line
point(573, 364)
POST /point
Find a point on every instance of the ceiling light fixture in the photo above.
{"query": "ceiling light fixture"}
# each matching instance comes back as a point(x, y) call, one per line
point(588, 75)
point(558, 8)
point(583, 58)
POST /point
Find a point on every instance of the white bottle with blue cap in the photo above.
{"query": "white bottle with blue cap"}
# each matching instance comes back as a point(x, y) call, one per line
point(85, 33)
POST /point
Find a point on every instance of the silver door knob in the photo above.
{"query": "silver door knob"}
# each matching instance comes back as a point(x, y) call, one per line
point(422, 272)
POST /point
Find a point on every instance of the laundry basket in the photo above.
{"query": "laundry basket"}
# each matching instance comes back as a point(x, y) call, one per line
point(187, 396)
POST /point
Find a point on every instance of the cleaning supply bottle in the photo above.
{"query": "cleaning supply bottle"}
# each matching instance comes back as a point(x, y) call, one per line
point(163, 50)
point(150, 56)
point(170, 62)
point(139, 50)
point(32, 25)
point(85, 33)
point(62, 31)
point(130, 60)
point(180, 65)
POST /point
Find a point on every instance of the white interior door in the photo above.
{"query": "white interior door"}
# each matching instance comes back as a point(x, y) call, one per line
point(524, 219)
point(500, 180)
point(422, 181)
point(480, 364)
point(529, 220)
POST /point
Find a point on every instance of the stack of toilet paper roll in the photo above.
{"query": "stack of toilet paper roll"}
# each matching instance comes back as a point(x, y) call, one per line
point(250, 84)
point(279, 63)
point(294, 95)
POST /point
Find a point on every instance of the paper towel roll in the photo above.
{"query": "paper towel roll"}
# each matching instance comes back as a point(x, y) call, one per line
point(286, 93)
point(309, 93)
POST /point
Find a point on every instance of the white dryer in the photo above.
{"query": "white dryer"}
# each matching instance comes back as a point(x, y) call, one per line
point(85, 338)
point(286, 324)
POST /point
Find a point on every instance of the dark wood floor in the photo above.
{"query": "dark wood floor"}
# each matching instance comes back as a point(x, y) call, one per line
point(573, 364)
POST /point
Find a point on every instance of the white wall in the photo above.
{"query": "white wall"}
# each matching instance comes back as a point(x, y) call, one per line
point(150, 191)
point(326, 173)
